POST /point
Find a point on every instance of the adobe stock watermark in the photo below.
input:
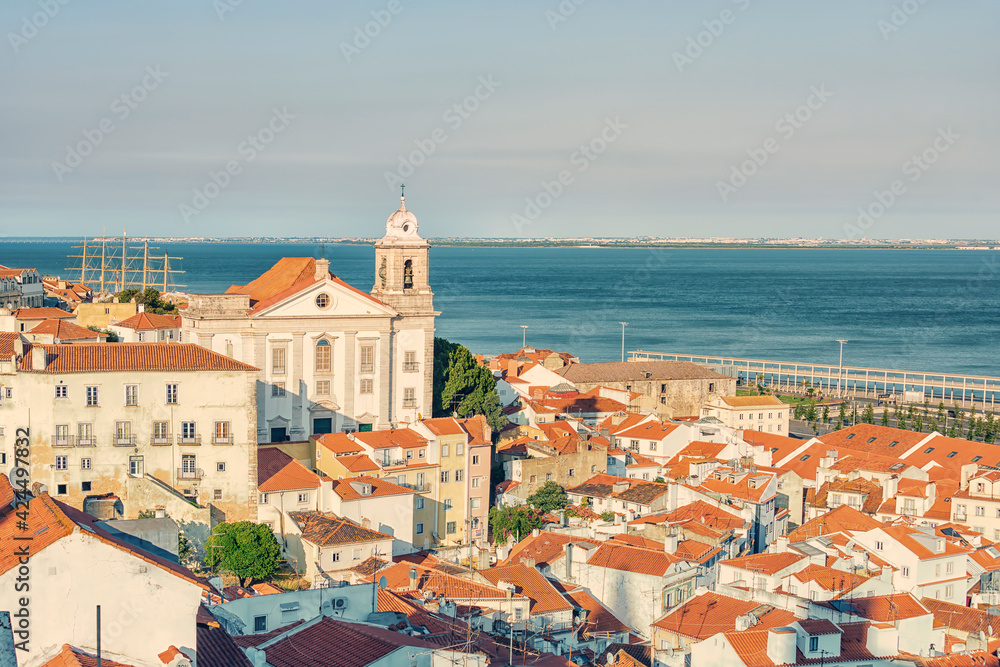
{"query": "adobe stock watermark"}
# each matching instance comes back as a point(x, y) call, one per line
point(562, 12)
point(454, 116)
point(899, 17)
point(223, 7)
point(913, 168)
point(30, 25)
point(364, 34)
point(122, 107)
point(786, 127)
point(248, 150)
point(704, 39)
point(581, 158)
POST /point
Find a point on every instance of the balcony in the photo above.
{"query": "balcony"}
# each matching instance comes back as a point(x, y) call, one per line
point(421, 488)
point(85, 441)
point(222, 440)
point(63, 440)
point(278, 370)
point(161, 440)
point(411, 367)
point(409, 402)
point(367, 368)
point(190, 474)
point(190, 440)
point(124, 441)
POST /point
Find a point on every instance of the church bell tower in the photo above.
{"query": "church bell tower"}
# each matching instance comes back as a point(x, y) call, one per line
point(401, 265)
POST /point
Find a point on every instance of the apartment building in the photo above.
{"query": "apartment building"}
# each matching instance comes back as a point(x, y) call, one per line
point(21, 288)
point(148, 423)
point(977, 503)
point(765, 414)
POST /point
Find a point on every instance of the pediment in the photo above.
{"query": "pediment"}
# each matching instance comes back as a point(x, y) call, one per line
point(327, 298)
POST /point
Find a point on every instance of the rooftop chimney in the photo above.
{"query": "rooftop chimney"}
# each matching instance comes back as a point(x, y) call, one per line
point(670, 543)
point(781, 645)
point(413, 578)
point(160, 512)
point(38, 358)
point(322, 269)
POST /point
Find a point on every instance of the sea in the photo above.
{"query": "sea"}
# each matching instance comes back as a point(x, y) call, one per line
point(918, 310)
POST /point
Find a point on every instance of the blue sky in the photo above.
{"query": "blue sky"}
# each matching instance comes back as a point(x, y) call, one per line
point(670, 126)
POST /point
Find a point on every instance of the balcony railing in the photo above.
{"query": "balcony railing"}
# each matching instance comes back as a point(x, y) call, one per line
point(409, 402)
point(161, 440)
point(124, 441)
point(190, 474)
point(367, 368)
point(411, 366)
point(190, 440)
point(278, 370)
point(64, 440)
point(87, 441)
point(222, 439)
point(416, 487)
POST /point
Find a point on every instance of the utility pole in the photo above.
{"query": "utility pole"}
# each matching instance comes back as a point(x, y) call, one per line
point(524, 336)
point(840, 373)
point(624, 324)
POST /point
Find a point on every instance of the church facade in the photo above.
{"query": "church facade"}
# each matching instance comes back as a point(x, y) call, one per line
point(331, 357)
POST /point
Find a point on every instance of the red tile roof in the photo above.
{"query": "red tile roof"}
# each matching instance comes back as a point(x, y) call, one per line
point(708, 614)
point(440, 583)
point(277, 471)
point(529, 581)
point(380, 488)
point(394, 437)
point(150, 322)
point(71, 656)
point(358, 463)
point(907, 537)
point(765, 563)
point(106, 357)
point(840, 519)
point(444, 426)
point(545, 549)
point(326, 529)
point(631, 559)
point(881, 608)
point(857, 438)
point(829, 579)
point(600, 618)
point(63, 330)
point(339, 443)
point(215, 646)
point(652, 430)
point(962, 618)
point(42, 314)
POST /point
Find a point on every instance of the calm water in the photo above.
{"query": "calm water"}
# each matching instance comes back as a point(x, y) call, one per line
point(934, 310)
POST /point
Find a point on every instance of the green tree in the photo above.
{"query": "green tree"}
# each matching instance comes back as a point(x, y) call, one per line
point(607, 516)
point(826, 414)
point(549, 497)
point(940, 411)
point(811, 413)
point(149, 297)
point(885, 416)
point(112, 336)
point(442, 356)
point(248, 550)
point(854, 415)
point(918, 423)
point(516, 520)
point(869, 414)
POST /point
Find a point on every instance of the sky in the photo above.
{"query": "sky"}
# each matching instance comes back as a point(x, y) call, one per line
point(571, 118)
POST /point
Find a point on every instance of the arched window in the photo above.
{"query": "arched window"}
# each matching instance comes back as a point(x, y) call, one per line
point(324, 357)
point(408, 274)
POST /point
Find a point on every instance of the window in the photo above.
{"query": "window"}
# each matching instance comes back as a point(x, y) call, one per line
point(409, 397)
point(460, 449)
point(980, 510)
point(323, 387)
point(806, 457)
point(216, 494)
point(159, 433)
point(741, 416)
point(447, 503)
point(278, 389)
point(220, 466)
point(322, 301)
point(123, 433)
point(475, 482)
point(593, 468)
point(850, 436)
point(977, 459)
point(711, 387)
point(85, 486)
point(813, 644)
point(572, 472)
point(879, 546)
point(418, 503)
point(135, 468)
point(410, 364)
point(835, 499)
point(324, 358)
point(262, 500)
point(475, 459)
point(518, 614)
point(460, 475)
point(303, 497)
point(335, 556)
point(188, 432)
point(171, 394)
point(634, 445)
point(61, 391)
point(278, 361)
point(445, 450)
point(548, 477)
point(445, 476)
point(534, 479)
point(92, 397)
point(62, 435)
point(366, 386)
point(420, 528)
point(131, 394)
point(222, 432)
point(452, 527)
point(60, 463)
point(260, 623)
point(952, 455)
point(189, 466)
point(357, 554)
point(949, 591)
point(61, 489)
point(906, 571)
point(84, 464)
point(652, 445)
point(86, 434)
point(928, 450)
point(367, 358)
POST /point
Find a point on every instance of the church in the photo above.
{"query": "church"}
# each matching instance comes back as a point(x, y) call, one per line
point(332, 357)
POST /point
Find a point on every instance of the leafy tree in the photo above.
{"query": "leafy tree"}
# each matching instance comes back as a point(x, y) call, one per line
point(842, 416)
point(549, 497)
point(854, 415)
point(826, 414)
point(249, 550)
point(940, 411)
point(112, 336)
point(869, 414)
point(811, 413)
point(184, 549)
point(469, 389)
point(149, 297)
point(442, 355)
point(607, 516)
point(901, 421)
point(885, 417)
point(516, 520)
point(839, 425)
point(918, 423)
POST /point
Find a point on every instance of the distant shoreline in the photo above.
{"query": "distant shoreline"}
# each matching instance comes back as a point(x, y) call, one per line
point(527, 243)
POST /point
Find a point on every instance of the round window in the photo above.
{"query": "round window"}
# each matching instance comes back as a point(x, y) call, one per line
point(322, 301)
point(406, 228)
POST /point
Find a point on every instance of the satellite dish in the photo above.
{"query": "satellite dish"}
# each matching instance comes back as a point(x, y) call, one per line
point(383, 582)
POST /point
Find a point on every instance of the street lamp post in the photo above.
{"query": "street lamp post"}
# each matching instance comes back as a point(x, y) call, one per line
point(624, 324)
point(840, 373)
point(524, 336)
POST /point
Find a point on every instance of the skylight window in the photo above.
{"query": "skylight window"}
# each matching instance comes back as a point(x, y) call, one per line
point(952, 455)
point(894, 443)
point(976, 459)
point(928, 450)
point(870, 440)
point(993, 552)
point(805, 457)
point(850, 436)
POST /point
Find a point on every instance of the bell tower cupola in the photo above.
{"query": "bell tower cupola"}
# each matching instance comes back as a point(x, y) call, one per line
point(401, 265)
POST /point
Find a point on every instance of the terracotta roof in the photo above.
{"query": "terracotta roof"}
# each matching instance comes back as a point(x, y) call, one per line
point(881, 608)
point(627, 421)
point(544, 597)
point(749, 486)
point(962, 618)
point(710, 613)
point(345, 488)
point(641, 654)
point(653, 430)
point(440, 583)
point(357, 463)
point(828, 578)
point(699, 511)
point(637, 541)
point(150, 322)
point(638, 491)
point(443, 426)
point(216, 647)
point(965, 659)
point(840, 519)
point(751, 647)
point(394, 437)
point(479, 430)
point(327, 529)
point(619, 371)
point(370, 566)
point(71, 656)
point(339, 443)
point(870, 492)
point(600, 618)
point(694, 551)
point(765, 563)
point(64, 330)
point(905, 535)
point(546, 548)
point(277, 471)
point(751, 401)
point(41, 314)
point(857, 438)
point(631, 559)
point(104, 358)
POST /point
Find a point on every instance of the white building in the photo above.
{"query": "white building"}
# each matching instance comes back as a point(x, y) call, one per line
point(146, 327)
point(332, 357)
point(752, 413)
point(21, 288)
